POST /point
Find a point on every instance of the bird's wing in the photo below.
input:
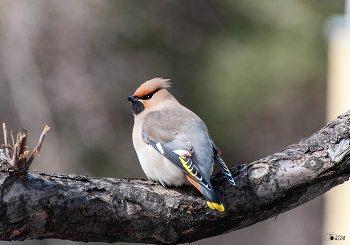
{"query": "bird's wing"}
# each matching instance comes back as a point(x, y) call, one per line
point(223, 166)
point(183, 159)
point(164, 131)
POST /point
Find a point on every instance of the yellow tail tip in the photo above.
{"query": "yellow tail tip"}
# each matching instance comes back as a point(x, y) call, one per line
point(216, 206)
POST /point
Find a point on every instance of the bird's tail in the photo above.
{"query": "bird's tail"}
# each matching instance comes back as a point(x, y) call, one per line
point(213, 200)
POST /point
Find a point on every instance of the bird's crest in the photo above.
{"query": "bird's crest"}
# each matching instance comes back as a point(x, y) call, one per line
point(151, 86)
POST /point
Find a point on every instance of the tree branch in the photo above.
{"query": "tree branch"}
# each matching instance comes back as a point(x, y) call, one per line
point(79, 208)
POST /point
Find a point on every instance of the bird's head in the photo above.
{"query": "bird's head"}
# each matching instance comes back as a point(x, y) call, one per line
point(149, 95)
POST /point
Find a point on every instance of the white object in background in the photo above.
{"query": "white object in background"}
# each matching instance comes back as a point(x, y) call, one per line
point(337, 201)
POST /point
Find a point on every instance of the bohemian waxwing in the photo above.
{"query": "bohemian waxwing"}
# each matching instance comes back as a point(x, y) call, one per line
point(172, 143)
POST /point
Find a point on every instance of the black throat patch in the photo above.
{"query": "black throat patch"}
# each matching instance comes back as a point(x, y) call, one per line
point(137, 107)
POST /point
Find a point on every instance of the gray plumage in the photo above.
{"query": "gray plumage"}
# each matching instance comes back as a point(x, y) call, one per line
point(172, 143)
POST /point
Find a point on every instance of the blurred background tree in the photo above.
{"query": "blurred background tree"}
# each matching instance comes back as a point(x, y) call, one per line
point(254, 71)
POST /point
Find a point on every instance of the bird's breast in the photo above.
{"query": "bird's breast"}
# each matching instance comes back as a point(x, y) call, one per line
point(156, 166)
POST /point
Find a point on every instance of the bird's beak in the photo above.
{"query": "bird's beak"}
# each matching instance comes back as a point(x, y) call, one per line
point(132, 98)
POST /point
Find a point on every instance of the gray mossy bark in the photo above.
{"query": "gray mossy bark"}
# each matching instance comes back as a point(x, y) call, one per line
point(80, 208)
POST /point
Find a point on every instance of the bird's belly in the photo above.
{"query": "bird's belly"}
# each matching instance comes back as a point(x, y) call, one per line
point(159, 168)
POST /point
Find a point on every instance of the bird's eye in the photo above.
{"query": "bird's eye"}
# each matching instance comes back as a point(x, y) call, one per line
point(148, 96)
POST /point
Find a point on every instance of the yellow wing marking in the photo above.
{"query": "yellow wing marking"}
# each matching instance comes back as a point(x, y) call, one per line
point(184, 163)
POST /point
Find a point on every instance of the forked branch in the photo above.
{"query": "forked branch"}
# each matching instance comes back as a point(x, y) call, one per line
point(17, 155)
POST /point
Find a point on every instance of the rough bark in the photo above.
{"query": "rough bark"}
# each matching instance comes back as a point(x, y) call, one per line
point(80, 208)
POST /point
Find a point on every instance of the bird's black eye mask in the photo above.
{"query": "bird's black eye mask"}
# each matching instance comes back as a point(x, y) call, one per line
point(137, 105)
point(147, 96)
